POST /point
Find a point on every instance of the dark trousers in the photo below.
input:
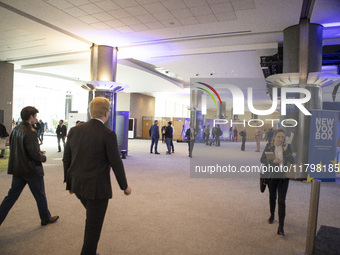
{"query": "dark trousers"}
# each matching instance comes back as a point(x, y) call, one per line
point(154, 141)
point(41, 136)
point(243, 145)
point(62, 138)
point(168, 144)
point(191, 143)
point(95, 213)
point(206, 139)
point(172, 145)
point(37, 188)
point(218, 142)
point(278, 187)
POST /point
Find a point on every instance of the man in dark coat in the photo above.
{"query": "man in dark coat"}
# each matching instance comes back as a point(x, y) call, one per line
point(243, 133)
point(91, 150)
point(25, 165)
point(61, 133)
point(154, 134)
point(41, 131)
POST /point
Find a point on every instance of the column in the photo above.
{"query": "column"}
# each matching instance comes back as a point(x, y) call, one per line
point(6, 95)
point(302, 53)
point(103, 72)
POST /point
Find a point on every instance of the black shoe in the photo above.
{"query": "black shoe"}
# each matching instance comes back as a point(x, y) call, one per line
point(50, 220)
point(2, 156)
point(157, 153)
point(150, 152)
point(271, 220)
point(280, 231)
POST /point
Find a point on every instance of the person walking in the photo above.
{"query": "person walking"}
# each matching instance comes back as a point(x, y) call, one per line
point(277, 183)
point(90, 152)
point(190, 134)
point(154, 134)
point(243, 134)
point(41, 131)
point(172, 142)
point(61, 134)
point(235, 134)
point(25, 166)
point(218, 134)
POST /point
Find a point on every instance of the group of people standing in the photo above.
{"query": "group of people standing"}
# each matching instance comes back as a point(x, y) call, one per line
point(167, 134)
point(216, 133)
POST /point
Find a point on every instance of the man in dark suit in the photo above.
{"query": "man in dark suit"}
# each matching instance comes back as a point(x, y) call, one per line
point(61, 133)
point(25, 165)
point(154, 134)
point(91, 149)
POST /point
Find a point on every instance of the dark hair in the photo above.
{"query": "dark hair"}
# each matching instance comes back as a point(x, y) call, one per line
point(27, 112)
point(275, 133)
point(62, 121)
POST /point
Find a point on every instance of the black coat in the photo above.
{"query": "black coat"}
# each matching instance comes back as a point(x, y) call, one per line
point(61, 131)
point(168, 132)
point(3, 131)
point(287, 157)
point(90, 151)
point(25, 158)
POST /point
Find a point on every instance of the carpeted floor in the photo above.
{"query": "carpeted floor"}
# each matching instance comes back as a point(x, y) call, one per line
point(168, 212)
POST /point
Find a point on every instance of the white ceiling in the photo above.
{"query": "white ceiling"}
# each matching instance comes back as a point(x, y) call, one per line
point(190, 38)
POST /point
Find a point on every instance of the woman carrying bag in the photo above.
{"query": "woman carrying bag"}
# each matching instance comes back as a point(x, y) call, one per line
point(277, 154)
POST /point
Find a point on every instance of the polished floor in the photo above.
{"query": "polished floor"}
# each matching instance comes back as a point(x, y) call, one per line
point(168, 212)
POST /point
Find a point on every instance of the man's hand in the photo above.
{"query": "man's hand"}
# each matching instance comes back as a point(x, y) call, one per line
point(70, 192)
point(127, 191)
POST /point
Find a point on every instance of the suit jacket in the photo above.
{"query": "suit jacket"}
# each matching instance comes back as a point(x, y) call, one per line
point(61, 131)
point(154, 131)
point(91, 149)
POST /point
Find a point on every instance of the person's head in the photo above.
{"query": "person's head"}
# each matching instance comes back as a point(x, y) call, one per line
point(78, 122)
point(169, 123)
point(40, 121)
point(100, 108)
point(278, 138)
point(61, 122)
point(29, 114)
point(156, 122)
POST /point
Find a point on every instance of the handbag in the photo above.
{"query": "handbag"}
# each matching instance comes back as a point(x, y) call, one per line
point(263, 184)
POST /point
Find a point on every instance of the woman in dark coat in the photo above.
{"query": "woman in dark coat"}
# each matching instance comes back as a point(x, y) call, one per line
point(277, 183)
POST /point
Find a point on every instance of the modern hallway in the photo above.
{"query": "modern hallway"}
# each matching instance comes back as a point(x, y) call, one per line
point(168, 212)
